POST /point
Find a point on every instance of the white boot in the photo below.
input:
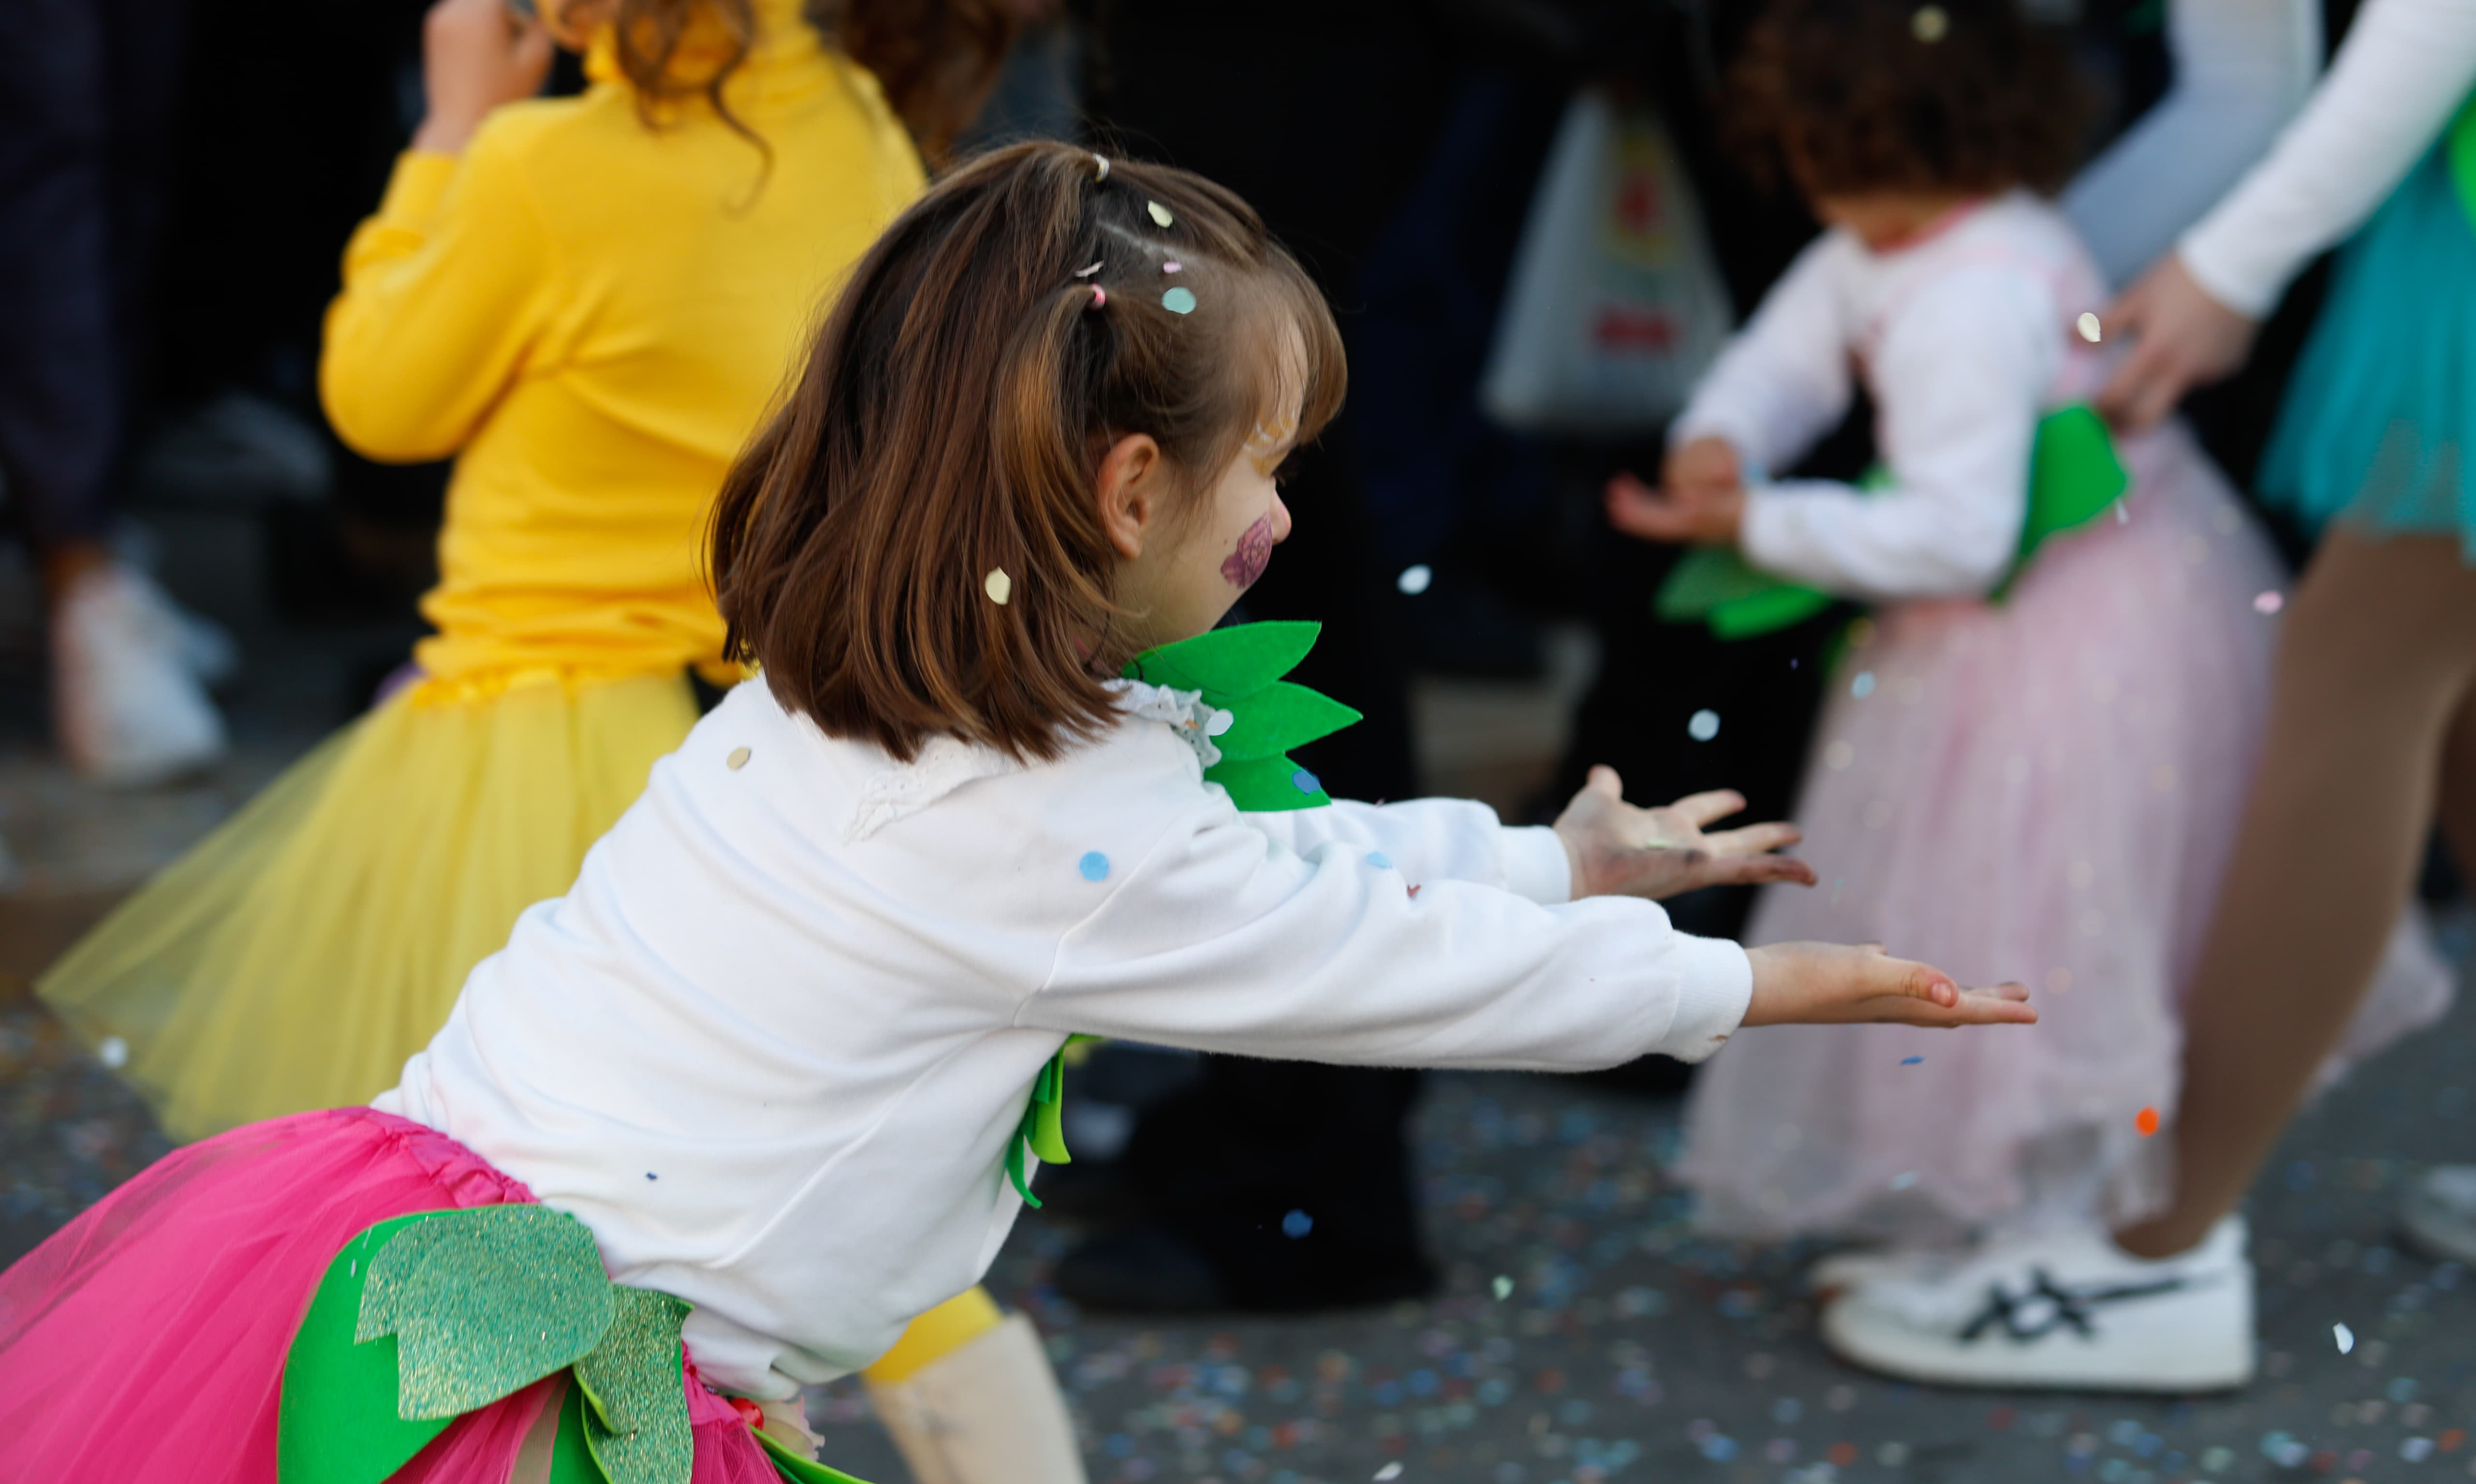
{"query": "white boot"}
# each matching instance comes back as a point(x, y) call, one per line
point(126, 695)
point(989, 1413)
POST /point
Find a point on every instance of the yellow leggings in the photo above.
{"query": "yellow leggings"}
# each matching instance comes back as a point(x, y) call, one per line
point(935, 1335)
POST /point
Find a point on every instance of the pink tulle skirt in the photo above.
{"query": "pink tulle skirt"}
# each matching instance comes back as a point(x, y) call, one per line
point(146, 1339)
point(2042, 790)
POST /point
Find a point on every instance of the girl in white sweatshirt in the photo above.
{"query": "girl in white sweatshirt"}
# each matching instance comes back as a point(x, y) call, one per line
point(769, 1080)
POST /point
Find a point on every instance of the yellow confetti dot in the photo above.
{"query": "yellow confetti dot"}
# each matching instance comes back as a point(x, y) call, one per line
point(738, 760)
point(1158, 213)
point(2088, 325)
point(997, 585)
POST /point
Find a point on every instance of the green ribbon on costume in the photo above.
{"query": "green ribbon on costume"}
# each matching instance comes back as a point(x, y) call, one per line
point(1239, 670)
point(424, 1318)
point(2073, 476)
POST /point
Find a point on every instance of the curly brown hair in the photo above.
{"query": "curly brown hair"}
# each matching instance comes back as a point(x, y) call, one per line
point(1859, 95)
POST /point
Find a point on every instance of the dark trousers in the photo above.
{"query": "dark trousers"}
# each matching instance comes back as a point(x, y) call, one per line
point(86, 93)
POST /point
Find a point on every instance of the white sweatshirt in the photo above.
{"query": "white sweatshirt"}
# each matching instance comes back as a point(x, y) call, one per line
point(2406, 67)
point(2242, 67)
point(1965, 340)
point(773, 1045)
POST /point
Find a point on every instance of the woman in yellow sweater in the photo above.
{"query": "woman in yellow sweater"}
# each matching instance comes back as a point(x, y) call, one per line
point(590, 303)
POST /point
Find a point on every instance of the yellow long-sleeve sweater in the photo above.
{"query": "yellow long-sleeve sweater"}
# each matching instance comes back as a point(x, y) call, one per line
point(592, 317)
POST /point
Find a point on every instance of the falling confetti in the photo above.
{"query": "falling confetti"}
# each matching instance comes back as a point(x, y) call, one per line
point(1904, 1180)
point(997, 585)
point(1702, 726)
point(1930, 24)
point(2269, 602)
point(113, 1052)
point(2087, 325)
point(1094, 865)
point(1504, 1287)
point(1862, 685)
point(2346, 1337)
point(1414, 580)
point(1158, 213)
point(1379, 860)
point(1911, 1062)
point(1389, 1472)
point(1296, 1224)
point(2147, 1121)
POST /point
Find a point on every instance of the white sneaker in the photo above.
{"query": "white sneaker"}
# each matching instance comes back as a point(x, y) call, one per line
point(1860, 1266)
point(125, 697)
point(2060, 1308)
point(2439, 1213)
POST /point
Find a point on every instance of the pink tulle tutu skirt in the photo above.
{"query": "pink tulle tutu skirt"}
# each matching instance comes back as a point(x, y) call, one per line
point(146, 1340)
point(2042, 790)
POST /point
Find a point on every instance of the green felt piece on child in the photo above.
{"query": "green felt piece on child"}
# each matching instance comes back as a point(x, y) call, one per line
point(792, 1465)
point(336, 1421)
point(1265, 785)
point(1279, 717)
point(571, 1455)
point(637, 1421)
point(1228, 663)
point(1716, 585)
point(1045, 1121)
point(483, 1302)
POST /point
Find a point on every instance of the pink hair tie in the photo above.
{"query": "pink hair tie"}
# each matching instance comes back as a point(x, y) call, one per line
point(1100, 296)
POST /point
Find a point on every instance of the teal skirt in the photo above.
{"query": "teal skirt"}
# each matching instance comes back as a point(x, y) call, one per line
point(2382, 403)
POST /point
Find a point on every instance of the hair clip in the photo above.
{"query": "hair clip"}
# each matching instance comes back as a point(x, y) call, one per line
point(1100, 297)
point(1103, 161)
point(1088, 272)
point(1929, 23)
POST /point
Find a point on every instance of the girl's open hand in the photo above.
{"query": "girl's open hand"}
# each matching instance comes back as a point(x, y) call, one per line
point(1689, 515)
point(476, 55)
point(1618, 849)
point(1832, 985)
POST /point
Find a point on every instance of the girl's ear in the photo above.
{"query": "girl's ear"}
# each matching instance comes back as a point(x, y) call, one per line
point(1133, 490)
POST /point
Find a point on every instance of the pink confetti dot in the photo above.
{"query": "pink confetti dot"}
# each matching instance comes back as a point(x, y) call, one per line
point(2269, 602)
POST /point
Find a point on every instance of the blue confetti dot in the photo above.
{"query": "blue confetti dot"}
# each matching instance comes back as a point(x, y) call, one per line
point(1911, 1062)
point(1178, 300)
point(1296, 1224)
point(1862, 686)
point(1306, 782)
point(1094, 865)
point(1379, 860)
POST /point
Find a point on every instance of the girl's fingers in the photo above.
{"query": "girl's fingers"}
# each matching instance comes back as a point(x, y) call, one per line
point(1754, 870)
point(1603, 780)
point(1753, 839)
point(1700, 809)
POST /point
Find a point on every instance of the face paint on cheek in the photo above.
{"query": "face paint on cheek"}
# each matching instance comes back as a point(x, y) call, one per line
point(1254, 552)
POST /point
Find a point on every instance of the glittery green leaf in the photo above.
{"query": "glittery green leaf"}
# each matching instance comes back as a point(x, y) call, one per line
point(1228, 663)
point(337, 1421)
point(1278, 718)
point(638, 1419)
point(571, 1455)
point(484, 1302)
point(1267, 786)
point(789, 1462)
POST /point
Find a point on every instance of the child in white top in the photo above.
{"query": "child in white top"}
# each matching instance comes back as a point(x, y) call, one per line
point(2031, 761)
point(775, 1049)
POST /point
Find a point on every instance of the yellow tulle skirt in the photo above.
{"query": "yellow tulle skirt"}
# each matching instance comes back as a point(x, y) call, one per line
point(296, 956)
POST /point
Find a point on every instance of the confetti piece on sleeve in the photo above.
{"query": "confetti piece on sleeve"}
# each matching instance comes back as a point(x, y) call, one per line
point(1094, 865)
point(1911, 1062)
point(2147, 1121)
point(738, 760)
point(2088, 325)
point(1379, 860)
point(1178, 300)
point(997, 585)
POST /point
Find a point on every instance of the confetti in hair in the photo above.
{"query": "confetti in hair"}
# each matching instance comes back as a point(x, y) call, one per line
point(1158, 213)
point(1103, 174)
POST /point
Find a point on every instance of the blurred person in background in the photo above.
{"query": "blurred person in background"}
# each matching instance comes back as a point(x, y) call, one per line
point(2372, 726)
point(86, 97)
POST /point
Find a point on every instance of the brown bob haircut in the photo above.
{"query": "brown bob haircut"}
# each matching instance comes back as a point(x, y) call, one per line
point(1861, 95)
point(950, 421)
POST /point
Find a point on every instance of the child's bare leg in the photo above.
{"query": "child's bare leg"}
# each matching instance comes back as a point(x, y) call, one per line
point(2374, 666)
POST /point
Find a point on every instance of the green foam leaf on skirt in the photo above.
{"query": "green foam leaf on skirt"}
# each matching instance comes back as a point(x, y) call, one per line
point(1278, 718)
point(791, 1465)
point(484, 1302)
point(336, 1421)
point(637, 1421)
point(1716, 585)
